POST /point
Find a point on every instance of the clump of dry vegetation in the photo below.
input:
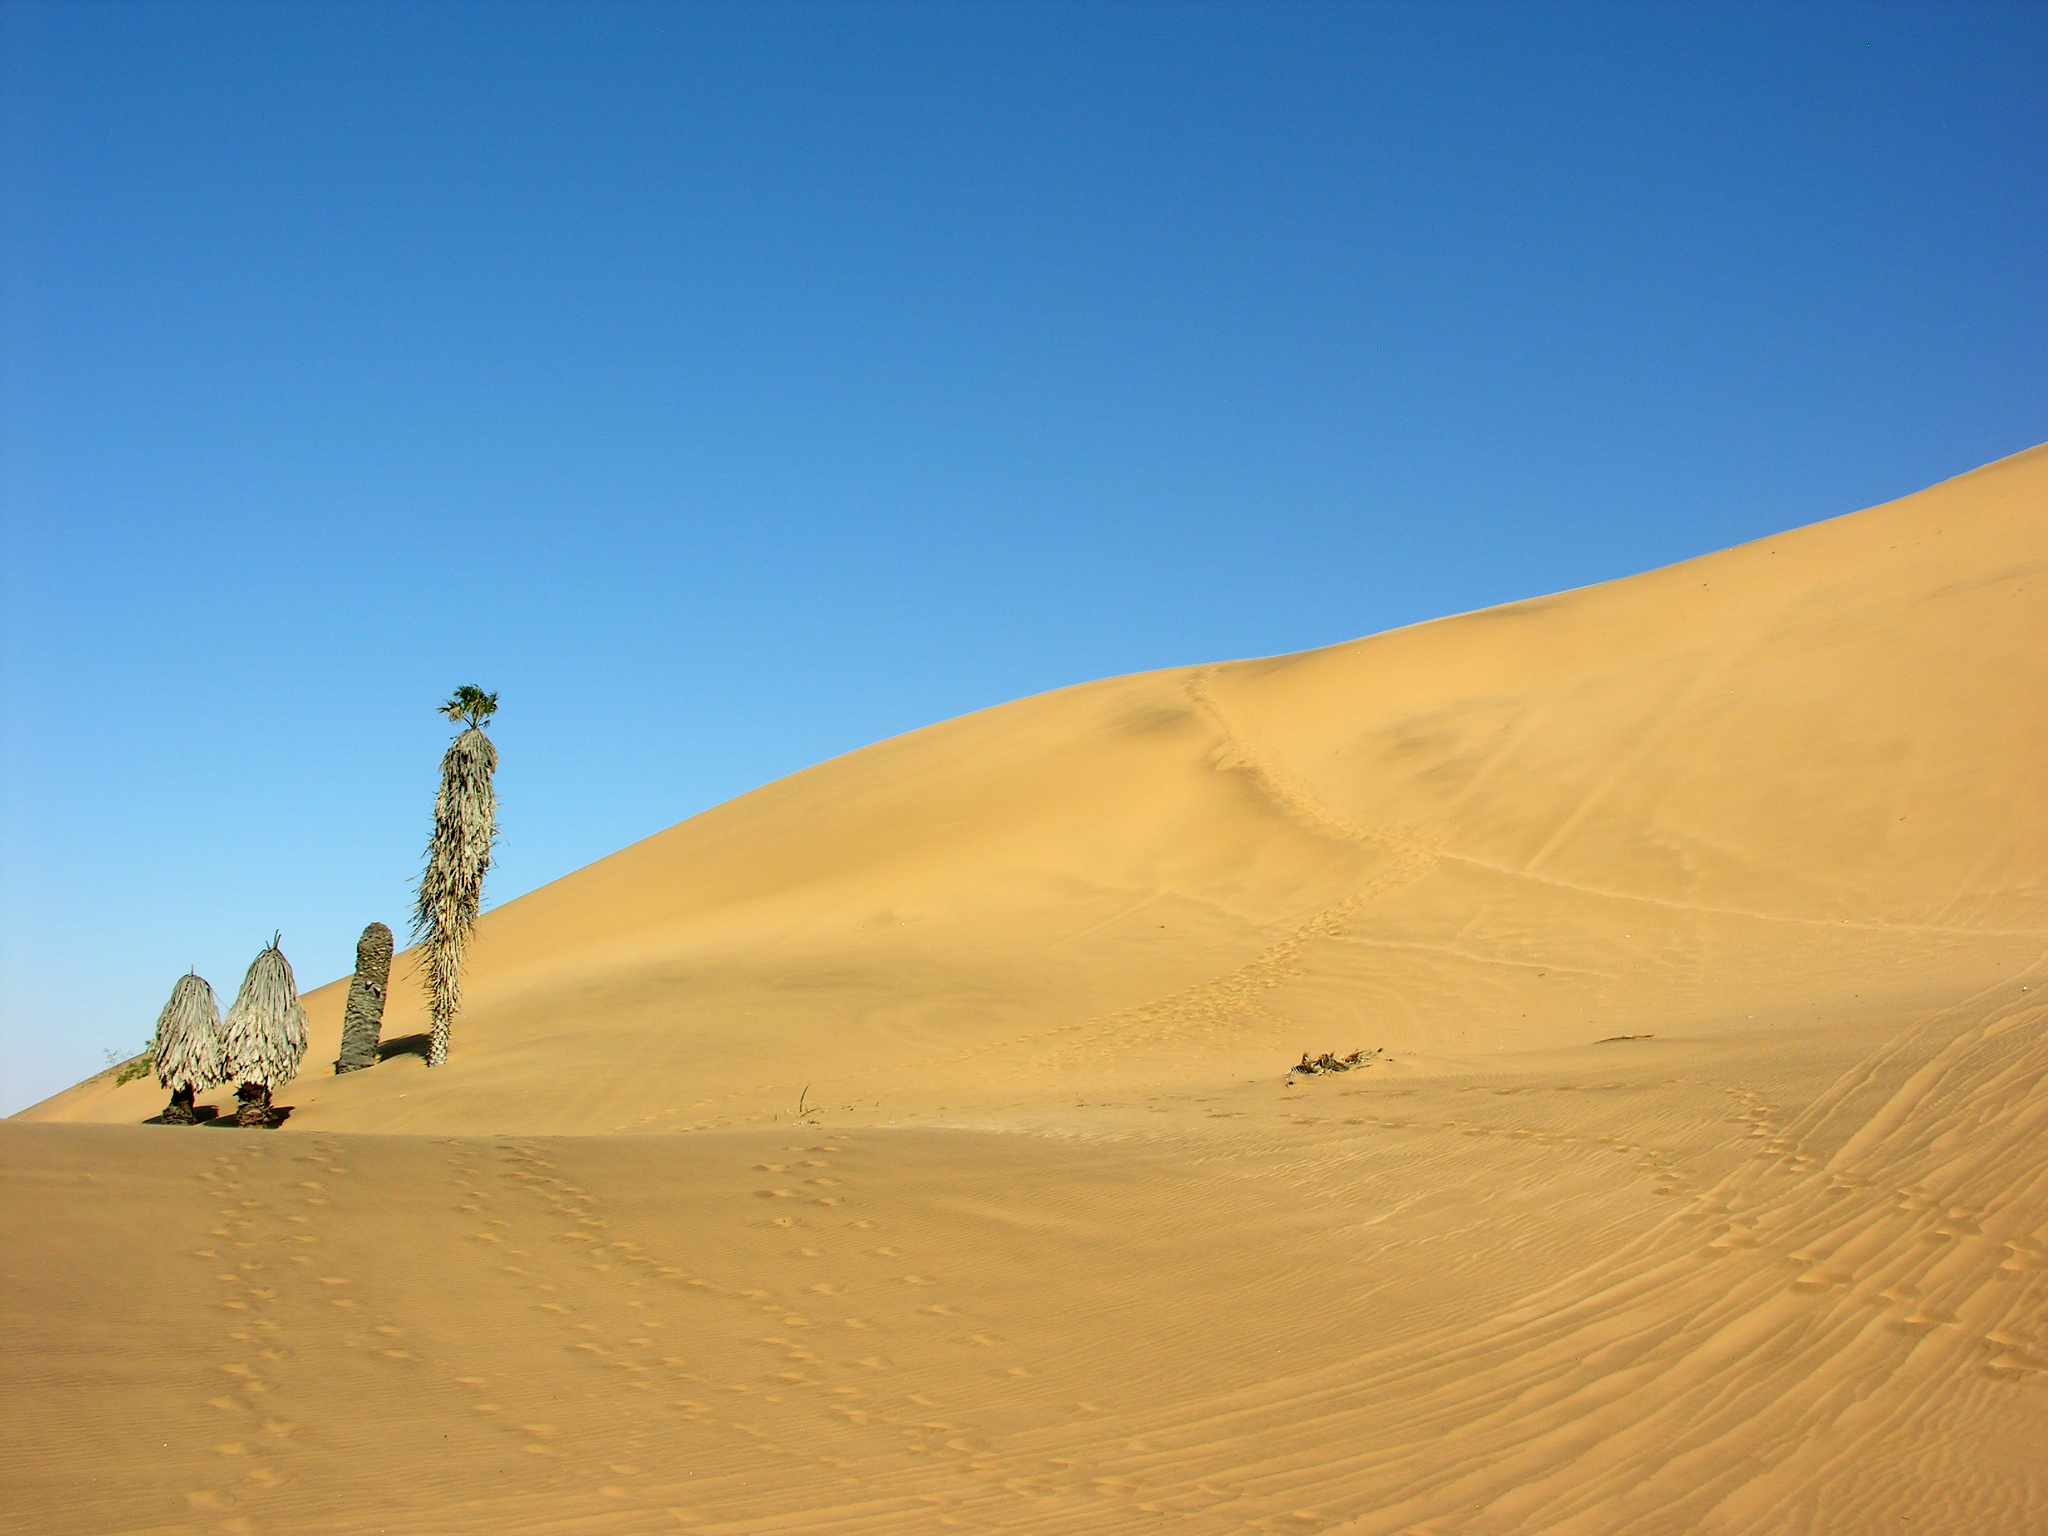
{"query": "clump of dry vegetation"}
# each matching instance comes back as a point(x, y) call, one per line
point(1317, 1065)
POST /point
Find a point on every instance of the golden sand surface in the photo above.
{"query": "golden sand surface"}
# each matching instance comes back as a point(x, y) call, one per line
point(908, 1145)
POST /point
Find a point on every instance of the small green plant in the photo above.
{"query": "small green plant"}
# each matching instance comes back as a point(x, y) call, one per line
point(124, 1068)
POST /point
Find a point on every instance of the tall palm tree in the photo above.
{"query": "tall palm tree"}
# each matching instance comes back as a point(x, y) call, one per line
point(265, 1033)
point(452, 885)
point(187, 1051)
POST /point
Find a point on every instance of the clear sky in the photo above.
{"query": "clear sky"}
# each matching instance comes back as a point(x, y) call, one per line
point(732, 386)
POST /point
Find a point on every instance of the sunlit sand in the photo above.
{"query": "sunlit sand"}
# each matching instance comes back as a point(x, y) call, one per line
point(909, 1145)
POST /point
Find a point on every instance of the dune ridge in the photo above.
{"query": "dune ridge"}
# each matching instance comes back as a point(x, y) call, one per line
point(1699, 919)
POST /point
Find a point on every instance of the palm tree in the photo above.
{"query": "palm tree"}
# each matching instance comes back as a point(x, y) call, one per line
point(452, 885)
point(266, 1035)
point(363, 1020)
point(188, 1052)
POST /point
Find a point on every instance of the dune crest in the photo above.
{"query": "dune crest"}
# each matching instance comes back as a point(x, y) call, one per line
point(1785, 784)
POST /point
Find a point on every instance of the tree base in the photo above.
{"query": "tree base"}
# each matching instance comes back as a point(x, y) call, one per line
point(359, 1045)
point(180, 1111)
point(253, 1107)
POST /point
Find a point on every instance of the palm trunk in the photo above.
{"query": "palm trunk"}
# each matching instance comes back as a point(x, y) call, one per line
point(363, 1020)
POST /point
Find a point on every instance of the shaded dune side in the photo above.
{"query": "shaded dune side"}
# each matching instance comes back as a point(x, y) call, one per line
point(1789, 784)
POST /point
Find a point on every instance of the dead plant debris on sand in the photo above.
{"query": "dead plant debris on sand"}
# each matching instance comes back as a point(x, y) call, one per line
point(1315, 1066)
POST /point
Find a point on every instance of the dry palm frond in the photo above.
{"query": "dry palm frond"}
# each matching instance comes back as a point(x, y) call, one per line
point(266, 1027)
point(452, 886)
point(188, 1049)
point(1312, 1067)
point(363, 1020)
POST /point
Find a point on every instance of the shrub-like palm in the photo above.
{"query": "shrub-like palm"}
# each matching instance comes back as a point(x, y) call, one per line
point(452, 885)
point(187, 1051)
point(265, 1034)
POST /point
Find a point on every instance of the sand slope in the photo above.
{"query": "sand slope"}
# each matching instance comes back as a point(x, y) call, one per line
point(1062, 1251)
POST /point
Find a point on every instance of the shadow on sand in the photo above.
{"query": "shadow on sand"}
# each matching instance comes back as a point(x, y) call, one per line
point(208, 1115)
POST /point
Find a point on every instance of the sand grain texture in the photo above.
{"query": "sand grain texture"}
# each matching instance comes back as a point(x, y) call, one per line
point(1055, 1246)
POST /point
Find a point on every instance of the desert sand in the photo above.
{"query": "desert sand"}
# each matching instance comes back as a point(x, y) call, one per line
point(909, 1145)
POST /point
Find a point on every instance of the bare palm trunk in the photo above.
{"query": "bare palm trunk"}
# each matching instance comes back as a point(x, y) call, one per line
point(452, 885)
point(362, 1022)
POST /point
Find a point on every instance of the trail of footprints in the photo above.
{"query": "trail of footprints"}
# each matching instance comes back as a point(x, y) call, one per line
point(684, 1366)
point(800, 1374)
point(1863, 1215)
point(1217, 1009)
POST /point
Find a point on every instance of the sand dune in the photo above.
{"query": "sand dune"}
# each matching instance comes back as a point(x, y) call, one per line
point(1056, 1246)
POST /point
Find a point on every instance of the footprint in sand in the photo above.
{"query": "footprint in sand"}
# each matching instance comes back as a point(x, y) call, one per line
point(1822, 1278)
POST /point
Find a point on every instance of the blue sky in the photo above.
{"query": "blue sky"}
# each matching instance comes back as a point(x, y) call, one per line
point(732, 386)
